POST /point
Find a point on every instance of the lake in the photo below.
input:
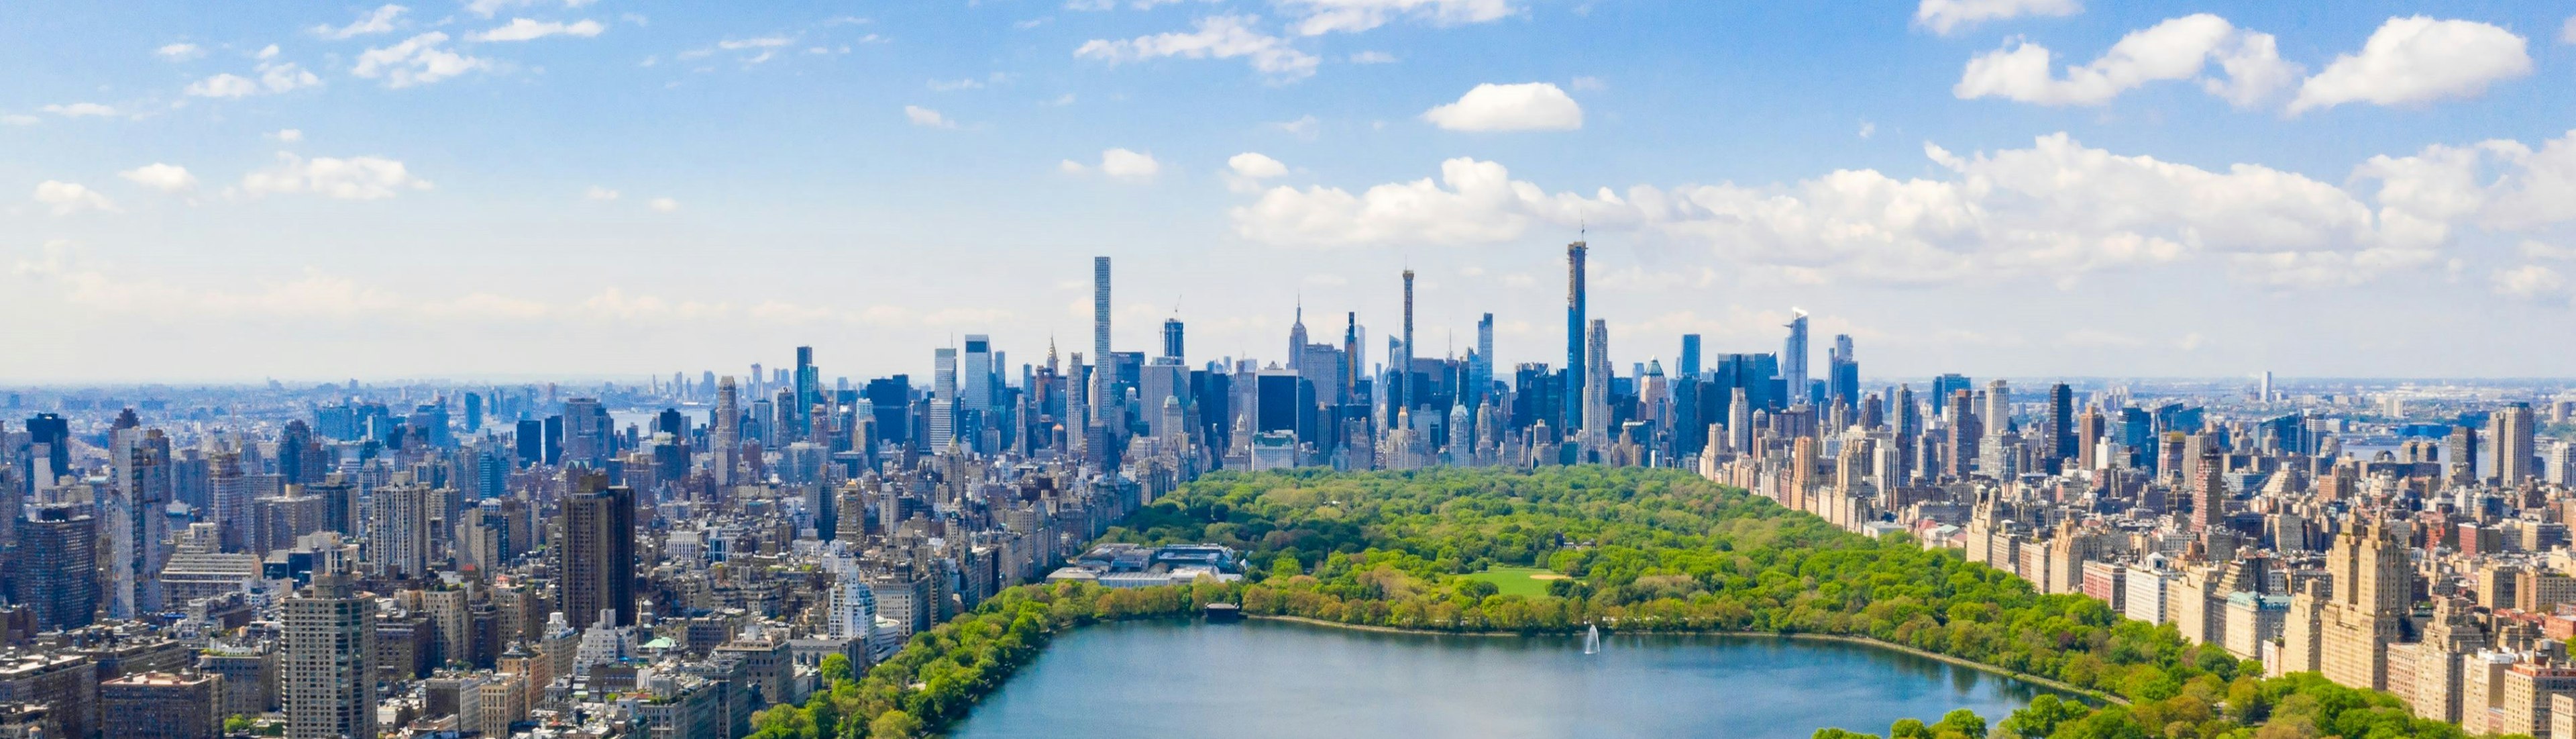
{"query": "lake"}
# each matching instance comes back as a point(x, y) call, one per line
point(1146, 680)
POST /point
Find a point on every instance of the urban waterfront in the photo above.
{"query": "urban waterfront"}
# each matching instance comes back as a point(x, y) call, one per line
point(1275, 679)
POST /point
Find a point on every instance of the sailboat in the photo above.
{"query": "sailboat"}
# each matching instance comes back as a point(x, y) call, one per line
point(1592, 640)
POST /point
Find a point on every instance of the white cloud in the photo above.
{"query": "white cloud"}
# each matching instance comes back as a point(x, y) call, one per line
point(1122, 164)
point(273, 78)
point(599, 194)
point(1253, 165)
point(1529, 106)
point(1244, 172)
point(179, 52)
point(66, 198)
point(2567, 32)
point(2500, 184)
point(266, 53)
point(223, 86)
point(926, 117)
point(1372, 57)
point(354, 178)
point(523, 29)
point(2528, 281)
point(2250, 66)
point(163, 177)
point(416, 61)
point(1320, 17)
point(664, 205)
point(761, 42)
point(2535, 249)
point(1305, 127)
point(288, 135)
point(18, 119)
point(2056, 209)
point(1867, 128)
point(1071, 167)
point(488, 8)
point(2418, 60)
point(1218, 37)
point(79, 110)
point(380, 20)
point(1944, 16)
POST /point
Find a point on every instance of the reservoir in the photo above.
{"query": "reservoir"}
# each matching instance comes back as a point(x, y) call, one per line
point(1262, 679)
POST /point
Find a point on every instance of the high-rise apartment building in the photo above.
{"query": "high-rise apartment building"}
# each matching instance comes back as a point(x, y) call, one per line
point(1793, 360)
point(1574, 336)
point(58, 566)
point(325, 663)
point(398, 530)
point(2516, 458)
point(596, 551)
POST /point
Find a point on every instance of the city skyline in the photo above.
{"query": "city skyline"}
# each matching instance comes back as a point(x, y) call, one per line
point(523, 190)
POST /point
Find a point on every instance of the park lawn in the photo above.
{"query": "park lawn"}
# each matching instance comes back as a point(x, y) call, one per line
point(1528, 582)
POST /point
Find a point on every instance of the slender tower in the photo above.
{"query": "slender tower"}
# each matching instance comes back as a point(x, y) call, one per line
point(1793, 359)
point(1100, 339)
point(1404, 362)
point(1573, 392)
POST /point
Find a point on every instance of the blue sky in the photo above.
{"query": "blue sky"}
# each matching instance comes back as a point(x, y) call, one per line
point(616, 187)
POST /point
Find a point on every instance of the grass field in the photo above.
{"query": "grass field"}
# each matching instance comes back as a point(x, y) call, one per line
point(1523, 581)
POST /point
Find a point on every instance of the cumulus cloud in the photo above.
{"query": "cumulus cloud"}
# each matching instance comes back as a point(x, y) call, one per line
point(1529, 106)
point(79, 110)
point(273, 78)
point(1217, 37)
point(2055, 209)
point(380, 20)
point(2250, 69)
point(288, 135)
point(2528, 282)
point(926, 117)
point(1944, 16)
point(1244, 172)
point(2500, 184)
point(418, 60)
point(354, 178)
point(1253, 165)
point(1318, 17)
point(66, 198)
point(1132, 166)
point(663, 205)
point(179, 52)
point(2418, 60)
point(163, 177)
point(524, 29)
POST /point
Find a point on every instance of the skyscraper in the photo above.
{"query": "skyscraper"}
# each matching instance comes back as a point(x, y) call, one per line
point(58, 566)
point(1100, 400)
point(398, 531)
point(1172, 344)
point(1596, 389)
point(588, 433)
point(2061, 422)
point(975, 388)
point(597, 550)
point(326, 677)
point(2517, 459)
point(943, 398)
point(1574, 339)
point(1401, 388)
point(1480, 370)
point(727, 430)
point(809, 387)
point(1793, 360)
point(1842, 374)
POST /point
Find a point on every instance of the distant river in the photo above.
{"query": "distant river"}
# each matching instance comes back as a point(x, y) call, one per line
point(1150, 680)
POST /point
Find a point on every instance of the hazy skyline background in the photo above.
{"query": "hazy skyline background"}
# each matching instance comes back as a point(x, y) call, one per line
point(611, 188)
